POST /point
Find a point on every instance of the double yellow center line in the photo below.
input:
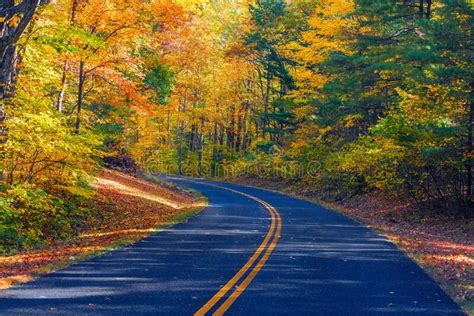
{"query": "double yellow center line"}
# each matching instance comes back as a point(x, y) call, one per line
point(254, 264)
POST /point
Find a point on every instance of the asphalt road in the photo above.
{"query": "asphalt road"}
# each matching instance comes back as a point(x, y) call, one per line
point(251, 252)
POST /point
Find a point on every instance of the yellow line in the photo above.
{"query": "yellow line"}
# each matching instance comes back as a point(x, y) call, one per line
point(241, 288)
point(275, 221)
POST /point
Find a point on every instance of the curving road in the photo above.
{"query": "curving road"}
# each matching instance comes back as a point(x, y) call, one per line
point(251, 252)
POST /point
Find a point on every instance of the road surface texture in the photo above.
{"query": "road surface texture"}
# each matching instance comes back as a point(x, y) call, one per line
point(251, 252)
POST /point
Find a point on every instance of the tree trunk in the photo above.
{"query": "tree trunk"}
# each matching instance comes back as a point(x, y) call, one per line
point(9, 36)
point(221, 136)
point(421, 10)
point(7, 53)
point(59, 103)
point(181, 139)
point(80, 95)
point(200, 148)
point(231, 128)
point(192, 138)
point(180, 159)
point(238, 137)
point(469, 149)
point(266, 104)
point(428, 9)
point(169, 127)
point(244, 127)
point(214, 150)
point(8, 73)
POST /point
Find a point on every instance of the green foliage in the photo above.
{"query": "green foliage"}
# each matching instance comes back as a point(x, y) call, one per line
point(30, 217)
point(394, 110)
point(161, 79)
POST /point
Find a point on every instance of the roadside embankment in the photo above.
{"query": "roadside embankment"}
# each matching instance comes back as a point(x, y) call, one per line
point(127, 209)
point(442, 244)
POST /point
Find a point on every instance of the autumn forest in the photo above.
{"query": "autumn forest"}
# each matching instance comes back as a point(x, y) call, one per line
point(341, 98)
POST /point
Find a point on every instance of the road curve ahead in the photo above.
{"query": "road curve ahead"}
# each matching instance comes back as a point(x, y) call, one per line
point(251, 252)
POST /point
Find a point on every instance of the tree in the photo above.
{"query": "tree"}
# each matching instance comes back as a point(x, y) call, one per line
point(14, 19)
point(267, 35)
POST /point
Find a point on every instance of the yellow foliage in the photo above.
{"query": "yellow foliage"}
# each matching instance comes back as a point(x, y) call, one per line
point(330, 29)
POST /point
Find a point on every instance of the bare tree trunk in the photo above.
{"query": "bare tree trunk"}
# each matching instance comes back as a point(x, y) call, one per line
point(7, 69)
point(169, 127)
point(180, 158)
point(221, 135)
point(80, 95)
point(421, 10)
point(181, 139)
point(200, 148)
point(214, 150)
point(428, 9)
point(59, 103)
point(8, 72)
point(6, 66)
point(192, 138)
point(238, 137)
point(244, 143)
point(266, 104)
point(231, 128)
point(469, 152)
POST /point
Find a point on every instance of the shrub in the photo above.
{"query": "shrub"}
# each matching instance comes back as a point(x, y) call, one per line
point(31, 217)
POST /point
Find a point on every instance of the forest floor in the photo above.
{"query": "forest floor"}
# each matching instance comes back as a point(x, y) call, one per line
point(442, 245)
point(130, 209)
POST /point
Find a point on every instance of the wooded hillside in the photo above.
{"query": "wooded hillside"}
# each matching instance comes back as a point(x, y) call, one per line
point(344, 97)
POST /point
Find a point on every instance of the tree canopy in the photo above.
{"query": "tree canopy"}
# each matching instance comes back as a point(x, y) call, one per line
point(344, 96)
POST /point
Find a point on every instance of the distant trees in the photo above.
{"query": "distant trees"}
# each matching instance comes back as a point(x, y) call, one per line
point(376, 94)
point(393, 90)
point(267, 36)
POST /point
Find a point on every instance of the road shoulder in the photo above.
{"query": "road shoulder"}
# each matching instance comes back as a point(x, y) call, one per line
point(128, 210)
point(441, 246)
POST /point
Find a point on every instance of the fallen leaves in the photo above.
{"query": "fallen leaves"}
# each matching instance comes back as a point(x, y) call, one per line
point(442, 244)
point(129, 209)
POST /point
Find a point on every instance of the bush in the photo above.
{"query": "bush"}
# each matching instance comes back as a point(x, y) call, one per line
point(31, 217)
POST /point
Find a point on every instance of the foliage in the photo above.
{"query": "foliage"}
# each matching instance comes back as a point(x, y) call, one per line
point(30, 217)
point(86, 74)
point(346, 97)
point(161, 79)
point(372, 93)
point(41, 149)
